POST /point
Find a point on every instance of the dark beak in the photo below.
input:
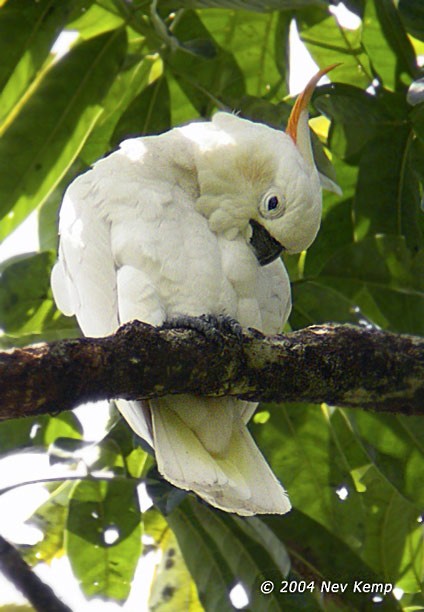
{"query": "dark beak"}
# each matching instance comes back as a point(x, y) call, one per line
point(265, 247)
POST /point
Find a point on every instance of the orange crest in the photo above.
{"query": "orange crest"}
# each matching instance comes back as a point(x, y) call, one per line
point(303, 100)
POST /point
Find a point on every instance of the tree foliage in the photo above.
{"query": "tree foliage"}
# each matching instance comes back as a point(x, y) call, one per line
point(355, 478)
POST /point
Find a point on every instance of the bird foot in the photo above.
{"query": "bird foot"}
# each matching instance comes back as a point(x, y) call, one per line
point(213, 327)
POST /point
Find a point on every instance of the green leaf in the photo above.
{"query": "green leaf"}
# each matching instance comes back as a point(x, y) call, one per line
point(16, 433)
point(103, 536)
point(282, 45)
point(247, 5)
point(381, 277)
point(299, 435)
point(337, 227)
point(69, 329)
point(38, 431)
point(217, 81)
point(320, 556)
point(96, 19)
point(317, 454)
point(50, 518)
point(258, 109)
point(387, 44)
point(27, 32)
point(222, 550)
point(138, 462)
point(165, 496)
point(133, 77)
point(42, 142)
point(149, 113)
point(26, 302)
point(182, 109)
point(392, 531)
point(262, 63)
point(355, 116)
point(316, 302)
point(329, 43)
point(412, 15)
point(397, 449)
point(155, 525)
point(65, 425)
point(387, 199)
point(417, 118)
point(172, 587)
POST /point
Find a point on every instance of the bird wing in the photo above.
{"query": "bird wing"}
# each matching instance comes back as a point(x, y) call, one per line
point(84, 278)
point(118, 230)
point(274, 297)
point(111, 243)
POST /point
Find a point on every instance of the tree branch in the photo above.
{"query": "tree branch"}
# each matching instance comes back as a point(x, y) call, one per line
point(39, 594)
point(341, 365)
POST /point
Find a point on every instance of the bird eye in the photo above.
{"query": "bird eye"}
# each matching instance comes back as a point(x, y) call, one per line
point(272, 205)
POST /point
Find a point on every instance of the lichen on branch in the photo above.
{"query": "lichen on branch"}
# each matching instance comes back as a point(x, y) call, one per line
point(341, 365)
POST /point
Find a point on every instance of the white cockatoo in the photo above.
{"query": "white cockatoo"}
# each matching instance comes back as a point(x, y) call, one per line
point(192, 222)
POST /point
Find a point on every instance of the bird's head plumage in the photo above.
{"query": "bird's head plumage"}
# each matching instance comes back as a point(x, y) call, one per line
point(258, 181)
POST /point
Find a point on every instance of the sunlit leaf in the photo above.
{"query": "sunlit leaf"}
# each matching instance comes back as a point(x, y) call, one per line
point(218, 80)
point(26, 302)
point(148, 113)
point(172, 587)
point(225, 550)
point(249, 5)
point(330, 43)
point(50, 518)
point(397, 449)
point(16, 433)
point(391, 53)
point(97, 19)
point(318, 455)
point(27, 33)
point(65, 425)
point(236, 30)
point(38, 431)
point(42, 142)
point(321, 559)
point(131, 79)
point(103, 536)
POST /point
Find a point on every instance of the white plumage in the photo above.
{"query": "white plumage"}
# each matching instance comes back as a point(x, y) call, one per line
point(174, 225)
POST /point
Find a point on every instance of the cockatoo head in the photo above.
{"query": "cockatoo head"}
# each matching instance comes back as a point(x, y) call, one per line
point(259, 182)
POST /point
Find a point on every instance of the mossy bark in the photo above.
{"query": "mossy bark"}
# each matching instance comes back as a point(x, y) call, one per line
point(341, 365)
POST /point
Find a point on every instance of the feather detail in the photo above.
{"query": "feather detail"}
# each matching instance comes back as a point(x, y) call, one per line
point(235, 479)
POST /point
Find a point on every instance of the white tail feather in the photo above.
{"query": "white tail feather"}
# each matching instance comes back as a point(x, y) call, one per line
point(235, 477)
point(137, 415)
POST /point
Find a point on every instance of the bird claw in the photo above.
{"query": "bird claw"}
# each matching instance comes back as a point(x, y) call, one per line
point(213, 327)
